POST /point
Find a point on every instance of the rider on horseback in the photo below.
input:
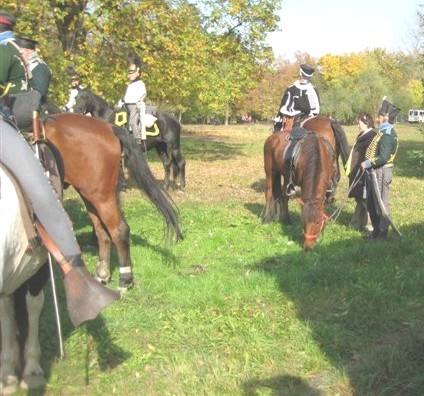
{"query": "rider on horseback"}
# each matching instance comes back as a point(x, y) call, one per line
point(14, 76)
point(41, 73)
point(300, 101)
point(17, 156)
point(76, 87)
point(134, 100)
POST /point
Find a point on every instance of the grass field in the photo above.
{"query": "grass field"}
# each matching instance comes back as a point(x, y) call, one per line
point(238, 308)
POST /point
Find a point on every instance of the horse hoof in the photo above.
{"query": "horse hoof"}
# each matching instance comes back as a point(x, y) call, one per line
point(123, 290)
point(104, 281)
point(102, 274)
point(9, 385)
point(126, 281)
point(33, 381)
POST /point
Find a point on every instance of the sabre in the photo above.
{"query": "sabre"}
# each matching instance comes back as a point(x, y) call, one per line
point(377, 195)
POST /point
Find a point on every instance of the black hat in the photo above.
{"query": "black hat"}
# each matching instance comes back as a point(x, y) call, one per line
point(306, 70)
point(388, 110)
point(26, 43)
point(7, 19)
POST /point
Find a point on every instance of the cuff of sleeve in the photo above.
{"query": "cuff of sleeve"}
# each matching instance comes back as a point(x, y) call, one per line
point(368, 164)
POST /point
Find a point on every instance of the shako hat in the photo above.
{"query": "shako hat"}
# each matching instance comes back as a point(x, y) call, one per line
point(306, 70)
point(26, 43)
point(7, 18)
point(388, 110)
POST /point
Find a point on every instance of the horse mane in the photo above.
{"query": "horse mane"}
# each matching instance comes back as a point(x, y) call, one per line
point(314, 176)
point(95, 104)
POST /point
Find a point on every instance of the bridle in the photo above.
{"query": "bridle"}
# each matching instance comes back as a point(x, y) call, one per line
point(314, 237)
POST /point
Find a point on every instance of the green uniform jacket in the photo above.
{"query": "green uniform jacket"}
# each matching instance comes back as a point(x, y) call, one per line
point(382, 150)
point(12, 70)
point(40, 80)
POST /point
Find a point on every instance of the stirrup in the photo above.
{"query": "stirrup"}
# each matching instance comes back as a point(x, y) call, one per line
point(291, 190)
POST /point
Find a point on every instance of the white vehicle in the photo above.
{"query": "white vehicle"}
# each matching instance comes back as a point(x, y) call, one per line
point(416, 116)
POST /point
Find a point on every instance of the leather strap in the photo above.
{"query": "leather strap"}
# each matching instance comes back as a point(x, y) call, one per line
point(53, 249)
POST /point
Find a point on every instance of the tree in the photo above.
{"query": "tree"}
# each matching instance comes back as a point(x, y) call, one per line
point(184, 47)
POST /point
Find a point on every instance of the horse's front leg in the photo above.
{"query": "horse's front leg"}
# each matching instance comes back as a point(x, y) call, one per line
point(178, 162)
point(33, 375)
point(9, 358)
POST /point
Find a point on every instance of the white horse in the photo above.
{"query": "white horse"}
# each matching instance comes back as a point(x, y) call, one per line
point(20, 258)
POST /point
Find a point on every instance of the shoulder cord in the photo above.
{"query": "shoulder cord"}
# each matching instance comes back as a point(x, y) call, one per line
point(28, 74)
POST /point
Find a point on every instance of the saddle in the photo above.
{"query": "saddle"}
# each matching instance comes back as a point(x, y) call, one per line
point(149, 119)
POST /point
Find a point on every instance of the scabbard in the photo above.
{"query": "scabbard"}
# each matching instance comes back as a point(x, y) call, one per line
point(377, 196)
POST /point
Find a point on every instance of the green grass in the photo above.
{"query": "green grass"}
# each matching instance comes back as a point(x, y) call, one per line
point(238, 308)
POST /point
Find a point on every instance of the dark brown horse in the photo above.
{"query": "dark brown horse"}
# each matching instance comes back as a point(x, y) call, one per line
point(309, 163)
point(91, 152)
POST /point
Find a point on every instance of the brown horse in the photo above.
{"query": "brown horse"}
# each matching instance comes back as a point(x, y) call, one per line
point(91, 152)
point(312, 166)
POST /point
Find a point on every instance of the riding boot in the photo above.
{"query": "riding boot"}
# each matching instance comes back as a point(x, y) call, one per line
point(85, 297)
point(382, 235)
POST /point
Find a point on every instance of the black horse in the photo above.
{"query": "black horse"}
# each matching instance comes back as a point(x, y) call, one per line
point(164, 136)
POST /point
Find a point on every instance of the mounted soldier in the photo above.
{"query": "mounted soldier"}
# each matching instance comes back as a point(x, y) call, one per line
point(134, 100)
point(75, 89)
point(300, 101)
point(40, 72)
point(54, 225)
point(15, 76)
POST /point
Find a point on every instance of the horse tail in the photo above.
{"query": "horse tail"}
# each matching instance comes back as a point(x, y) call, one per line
point(341, 140)
point(147, 183)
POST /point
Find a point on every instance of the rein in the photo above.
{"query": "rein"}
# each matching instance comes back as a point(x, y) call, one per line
point(335, 215)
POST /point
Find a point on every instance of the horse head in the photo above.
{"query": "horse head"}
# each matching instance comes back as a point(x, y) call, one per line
point(316, 171)
point(314, 220)
point(83, 103)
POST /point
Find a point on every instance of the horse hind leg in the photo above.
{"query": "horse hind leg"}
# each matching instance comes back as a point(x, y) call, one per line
point(33, 375)
point(9, 358)
point(104, 245)
point(113, 228)
point(121, 240)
